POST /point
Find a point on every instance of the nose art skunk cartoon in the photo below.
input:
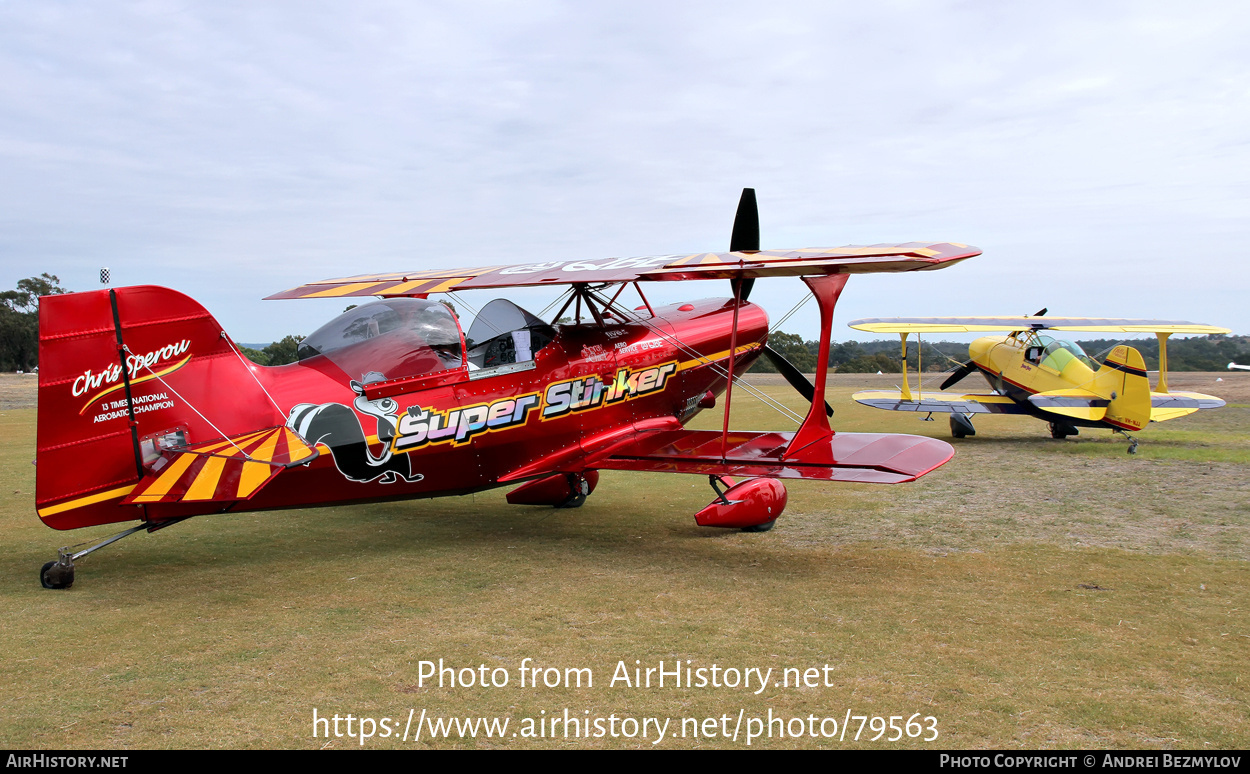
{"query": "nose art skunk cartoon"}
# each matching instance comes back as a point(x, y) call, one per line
point(336, 426)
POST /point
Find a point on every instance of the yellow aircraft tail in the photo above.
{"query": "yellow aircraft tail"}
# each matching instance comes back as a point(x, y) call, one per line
point(1122, 379)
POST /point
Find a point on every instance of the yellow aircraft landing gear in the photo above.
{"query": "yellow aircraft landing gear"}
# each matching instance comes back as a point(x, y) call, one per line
point(1132, 442)
point(1061, 430)
point(961, 426)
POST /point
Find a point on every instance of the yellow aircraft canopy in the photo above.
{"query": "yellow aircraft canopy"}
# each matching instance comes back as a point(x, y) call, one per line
point(976, 324)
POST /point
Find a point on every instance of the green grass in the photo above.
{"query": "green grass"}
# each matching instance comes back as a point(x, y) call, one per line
point(968, 596)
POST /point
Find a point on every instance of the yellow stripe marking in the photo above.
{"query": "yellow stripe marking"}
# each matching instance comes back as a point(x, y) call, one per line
point(296, 448)
point(443, 287)
point(708, 359)
point(168, 477)
point(343, 290)
point(205, 484)
point(70, 505)
point(256, 473)
point(406, 288)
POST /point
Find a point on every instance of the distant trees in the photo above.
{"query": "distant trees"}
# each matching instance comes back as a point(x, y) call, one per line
point(19, 321)
point(277, 353)
point(1196, 353)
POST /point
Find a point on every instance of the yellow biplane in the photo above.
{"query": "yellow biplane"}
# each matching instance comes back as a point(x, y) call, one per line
point(1033, 373)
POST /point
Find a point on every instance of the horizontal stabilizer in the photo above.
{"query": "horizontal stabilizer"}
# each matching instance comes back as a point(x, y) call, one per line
point(1170, 405)
point(857, 457)
point(969, 403)
point(1078, 404)
point(224, 470)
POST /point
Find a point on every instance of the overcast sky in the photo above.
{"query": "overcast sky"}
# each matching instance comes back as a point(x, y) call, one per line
point(1099, 153)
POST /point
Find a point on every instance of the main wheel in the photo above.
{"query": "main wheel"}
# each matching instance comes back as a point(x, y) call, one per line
point(760, 527)
point(1062, 430)
point(55, 575)
point(961, 426)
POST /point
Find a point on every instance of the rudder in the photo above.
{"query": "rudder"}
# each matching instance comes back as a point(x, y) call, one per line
point(1123, 379)
point(176, 364)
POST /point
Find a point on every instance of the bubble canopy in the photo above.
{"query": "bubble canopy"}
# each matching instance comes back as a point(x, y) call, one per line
point(389, 339)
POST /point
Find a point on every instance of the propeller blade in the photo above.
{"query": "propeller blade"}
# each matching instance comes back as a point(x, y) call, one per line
point(746, 236)
point(795, 377)
point(959, 373)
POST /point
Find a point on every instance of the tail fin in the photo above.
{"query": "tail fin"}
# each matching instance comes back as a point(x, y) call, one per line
point(122, 373)
point(1122, 378)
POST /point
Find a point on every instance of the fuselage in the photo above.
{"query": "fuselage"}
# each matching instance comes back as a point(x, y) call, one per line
point(472, 427)
point(1029, 363)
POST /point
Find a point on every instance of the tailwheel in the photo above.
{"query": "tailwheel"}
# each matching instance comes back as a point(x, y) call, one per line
point(58, 574)
point(1132, 442)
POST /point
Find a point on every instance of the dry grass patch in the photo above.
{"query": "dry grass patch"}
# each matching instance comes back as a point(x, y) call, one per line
point(1029, 594)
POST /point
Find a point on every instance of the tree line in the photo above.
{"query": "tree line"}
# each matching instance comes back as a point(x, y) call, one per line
point(1195, 353)
point(19, 344)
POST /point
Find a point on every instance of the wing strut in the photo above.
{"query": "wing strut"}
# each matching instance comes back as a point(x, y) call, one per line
point(906, 385)
point(733, 356)
point(827, 288)
point(1163, 362)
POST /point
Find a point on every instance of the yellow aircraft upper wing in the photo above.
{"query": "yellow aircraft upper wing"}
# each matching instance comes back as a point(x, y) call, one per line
point(978, 324)
point(936, 402)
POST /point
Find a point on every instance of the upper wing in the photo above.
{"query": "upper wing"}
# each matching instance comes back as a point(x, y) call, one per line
point(854, 259)
point(975, 324)
point(969, 403)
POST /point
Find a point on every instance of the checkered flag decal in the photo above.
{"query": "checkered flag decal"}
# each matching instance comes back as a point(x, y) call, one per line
point(105, 277)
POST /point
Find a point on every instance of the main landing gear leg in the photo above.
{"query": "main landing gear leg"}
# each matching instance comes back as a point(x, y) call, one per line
point(60, 574)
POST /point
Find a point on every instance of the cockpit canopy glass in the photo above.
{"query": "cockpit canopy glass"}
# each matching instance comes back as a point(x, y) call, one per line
point(389, 339)
point(504, 333)
point(1055, 353)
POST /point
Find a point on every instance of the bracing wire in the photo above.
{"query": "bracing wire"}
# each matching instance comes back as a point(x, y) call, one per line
point(718, 369)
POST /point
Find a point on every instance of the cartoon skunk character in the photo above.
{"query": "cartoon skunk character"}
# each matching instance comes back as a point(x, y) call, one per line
point(337, 426)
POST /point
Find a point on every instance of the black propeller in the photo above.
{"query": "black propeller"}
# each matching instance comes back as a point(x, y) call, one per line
point(746, 236)
point(959, 373)
point(795, 377)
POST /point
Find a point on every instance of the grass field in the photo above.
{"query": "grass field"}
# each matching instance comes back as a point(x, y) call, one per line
point(1031, 593)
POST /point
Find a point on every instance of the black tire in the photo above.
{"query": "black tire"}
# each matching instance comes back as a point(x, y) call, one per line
point(960, 426)
point(1059, 430)
point(760, 527)
point(51, 578)
point(576, 501)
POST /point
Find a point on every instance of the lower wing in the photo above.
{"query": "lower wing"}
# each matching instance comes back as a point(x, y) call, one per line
point(968, 403)
point(664, 446)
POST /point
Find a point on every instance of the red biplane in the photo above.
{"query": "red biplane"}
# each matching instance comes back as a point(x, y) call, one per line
point(148, 411)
